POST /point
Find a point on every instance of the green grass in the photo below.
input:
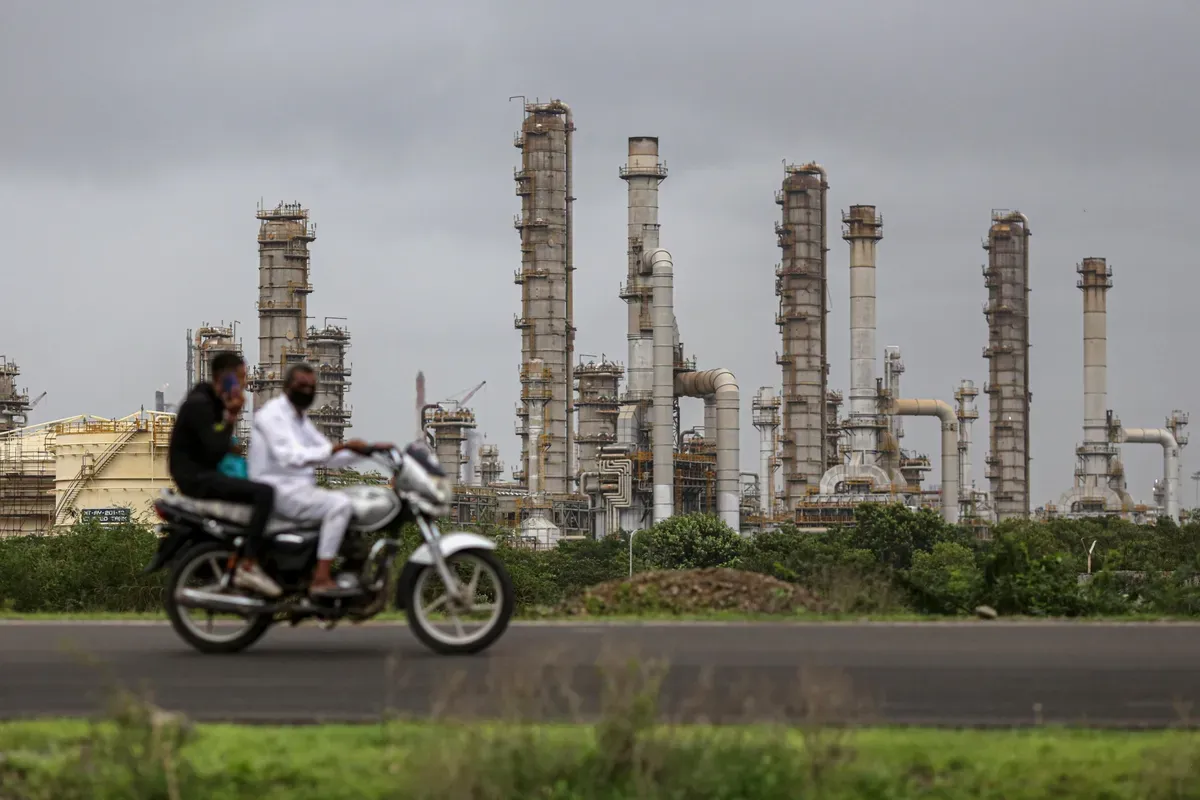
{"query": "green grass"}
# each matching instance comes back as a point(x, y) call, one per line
point(72, 759)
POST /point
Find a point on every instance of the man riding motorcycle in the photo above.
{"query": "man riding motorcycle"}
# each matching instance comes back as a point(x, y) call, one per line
point(285, 449)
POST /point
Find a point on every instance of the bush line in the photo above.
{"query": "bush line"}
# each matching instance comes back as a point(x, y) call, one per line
point(892, 560)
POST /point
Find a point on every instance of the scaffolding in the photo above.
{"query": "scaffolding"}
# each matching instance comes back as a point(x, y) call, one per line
point(1006, 277)
point(27, 479)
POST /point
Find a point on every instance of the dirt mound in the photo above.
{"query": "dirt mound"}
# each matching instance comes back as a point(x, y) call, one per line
point(696, 591)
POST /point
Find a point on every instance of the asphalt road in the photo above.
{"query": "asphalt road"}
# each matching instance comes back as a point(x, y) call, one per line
point(971, 674)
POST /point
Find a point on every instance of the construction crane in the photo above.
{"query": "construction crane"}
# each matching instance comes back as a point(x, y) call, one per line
point(469, 395)
point(39, 399)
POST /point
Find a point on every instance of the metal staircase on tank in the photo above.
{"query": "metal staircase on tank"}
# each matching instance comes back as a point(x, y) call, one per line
point(88, 471)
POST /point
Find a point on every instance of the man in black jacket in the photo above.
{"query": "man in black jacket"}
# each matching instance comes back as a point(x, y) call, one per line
point(201, 438)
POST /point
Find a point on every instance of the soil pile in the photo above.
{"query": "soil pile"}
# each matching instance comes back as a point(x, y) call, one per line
point(697, 591)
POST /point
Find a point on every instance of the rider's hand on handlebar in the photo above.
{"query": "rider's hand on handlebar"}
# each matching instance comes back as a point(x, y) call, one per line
point(357, 446)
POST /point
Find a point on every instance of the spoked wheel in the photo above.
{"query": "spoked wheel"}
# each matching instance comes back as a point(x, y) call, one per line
point(203, 567)
point(460, 627)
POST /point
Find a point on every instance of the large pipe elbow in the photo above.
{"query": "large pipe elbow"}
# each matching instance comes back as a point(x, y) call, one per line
point(906, 407)
point(722, 386)
point(1170, 448)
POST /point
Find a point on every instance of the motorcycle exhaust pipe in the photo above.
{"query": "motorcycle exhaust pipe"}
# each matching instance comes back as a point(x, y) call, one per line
point(212, 601)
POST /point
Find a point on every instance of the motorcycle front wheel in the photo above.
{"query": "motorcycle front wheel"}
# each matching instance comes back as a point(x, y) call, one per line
point(428, 603)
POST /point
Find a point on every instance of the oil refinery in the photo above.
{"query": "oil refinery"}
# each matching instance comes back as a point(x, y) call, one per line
point(601, 444)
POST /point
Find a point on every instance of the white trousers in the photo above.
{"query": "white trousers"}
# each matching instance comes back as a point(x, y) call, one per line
point(314, 504)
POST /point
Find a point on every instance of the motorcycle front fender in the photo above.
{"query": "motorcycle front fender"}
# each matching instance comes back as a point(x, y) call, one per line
point(449, 544)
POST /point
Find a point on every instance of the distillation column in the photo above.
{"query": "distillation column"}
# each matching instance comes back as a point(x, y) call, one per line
point(14, 402)
point(1006, 277)
point(284, 235)
point(800, 283)
point(765, 415)
point(598, 403)
point(327, 351)
point(547, 335)
point(967, 413)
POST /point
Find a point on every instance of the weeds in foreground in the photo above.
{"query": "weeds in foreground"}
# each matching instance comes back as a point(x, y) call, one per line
point(632, 740)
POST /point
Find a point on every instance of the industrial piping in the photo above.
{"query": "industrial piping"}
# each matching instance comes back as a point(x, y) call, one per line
point(943, 411)
point(663, 396)
point(721, 384)
point(1170, 447)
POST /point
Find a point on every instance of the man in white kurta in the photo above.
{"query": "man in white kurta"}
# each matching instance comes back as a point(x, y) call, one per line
point(285, 450)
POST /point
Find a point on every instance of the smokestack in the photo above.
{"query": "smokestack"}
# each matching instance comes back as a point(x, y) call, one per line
point(863, 229)
point(1006, 277)
point(663, 418)
point(642, 173)
point(1095, 281)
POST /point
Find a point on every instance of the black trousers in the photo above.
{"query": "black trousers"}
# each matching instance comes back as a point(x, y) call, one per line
point(216, 486)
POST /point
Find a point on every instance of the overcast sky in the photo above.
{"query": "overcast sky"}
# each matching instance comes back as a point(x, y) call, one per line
point(137, 139)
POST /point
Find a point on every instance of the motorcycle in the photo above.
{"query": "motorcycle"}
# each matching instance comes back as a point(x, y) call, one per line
point(202, 539)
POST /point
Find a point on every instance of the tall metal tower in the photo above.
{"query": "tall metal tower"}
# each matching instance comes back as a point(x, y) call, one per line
point(283, 289)
point(546, 319)
point(800, 283)
point(1006, 277)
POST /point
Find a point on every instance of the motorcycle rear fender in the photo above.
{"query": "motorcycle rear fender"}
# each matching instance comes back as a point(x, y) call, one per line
point(422, 557)
point(177, 539)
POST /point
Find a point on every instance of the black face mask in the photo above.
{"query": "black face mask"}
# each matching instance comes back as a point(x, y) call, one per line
point(301, 398)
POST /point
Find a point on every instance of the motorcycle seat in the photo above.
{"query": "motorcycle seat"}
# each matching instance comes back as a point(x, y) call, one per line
point(234, 513)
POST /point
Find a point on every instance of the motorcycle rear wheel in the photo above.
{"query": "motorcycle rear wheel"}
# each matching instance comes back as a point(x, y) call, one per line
point(485, 561)
point(211, 644)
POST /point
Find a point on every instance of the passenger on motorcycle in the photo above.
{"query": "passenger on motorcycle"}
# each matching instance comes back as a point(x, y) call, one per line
point(285, 450)
point(201, 440)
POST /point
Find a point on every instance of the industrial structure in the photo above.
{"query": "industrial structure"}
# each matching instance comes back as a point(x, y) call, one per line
point(83, 468)
point(14, 401)
point(203, 345)
point(546, 319)
point(1006, 277)
point(802, 286)
point(1100, 483)
point(284, 335)
point(327, 348)
point(602, 449)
